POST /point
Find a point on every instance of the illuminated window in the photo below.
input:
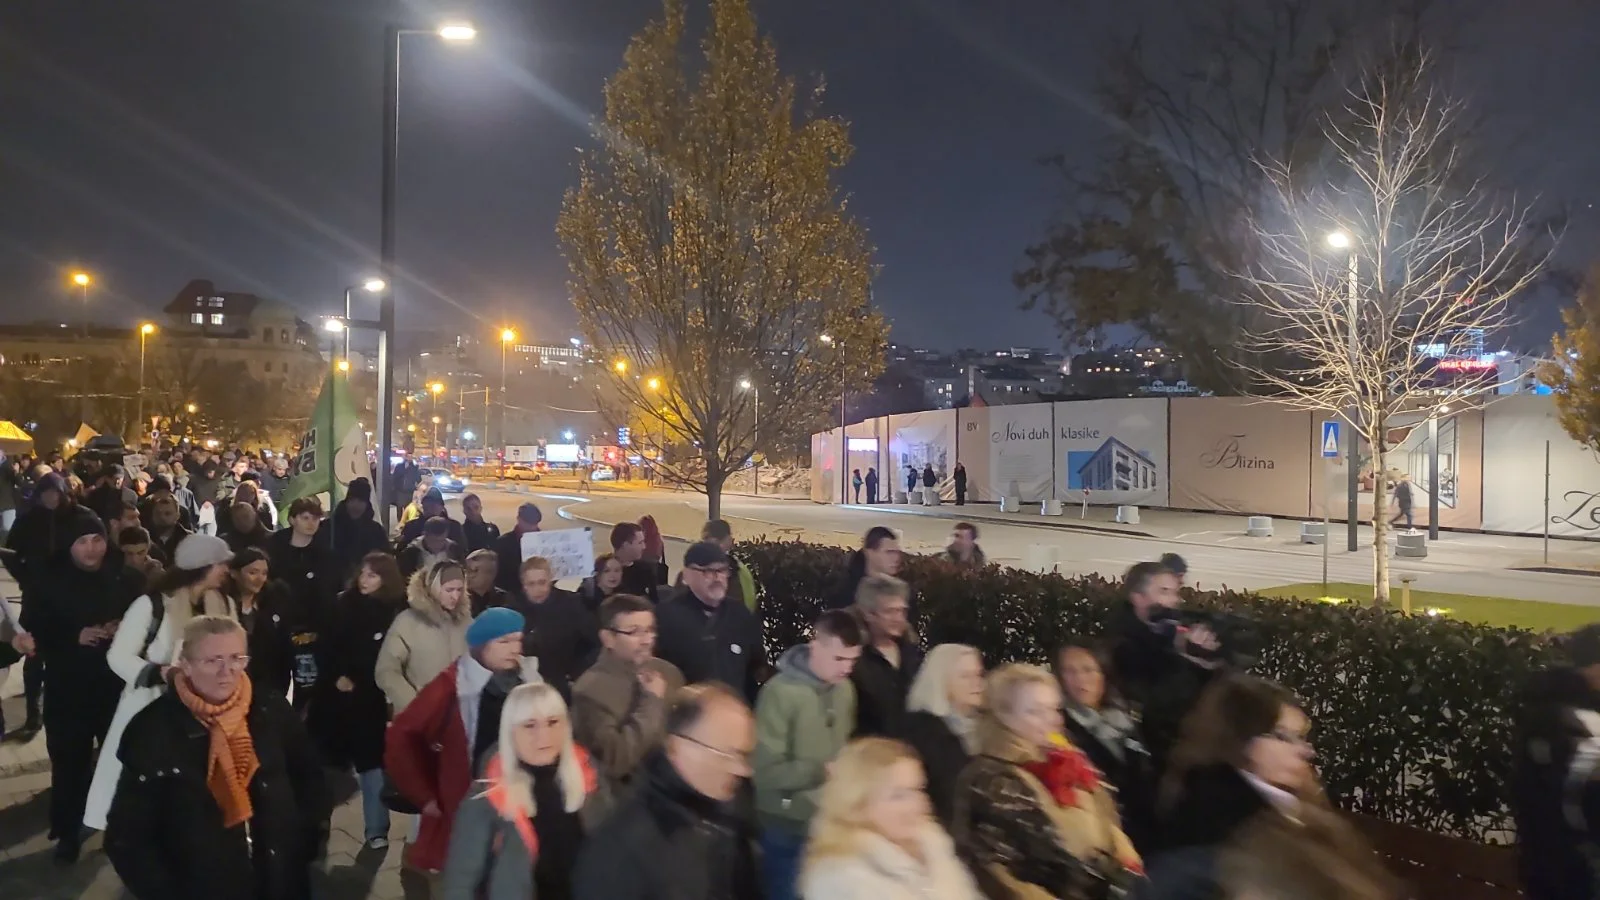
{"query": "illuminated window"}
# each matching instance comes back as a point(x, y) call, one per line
point(216, 318)
point(197, 319)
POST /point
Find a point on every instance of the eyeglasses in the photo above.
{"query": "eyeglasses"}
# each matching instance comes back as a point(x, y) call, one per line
point(634, 632)
point(740, 759)
point(217, 664)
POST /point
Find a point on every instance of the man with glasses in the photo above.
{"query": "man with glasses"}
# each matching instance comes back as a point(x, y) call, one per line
point(222, 794)
point(678, 833)
point(619, 709)
point(706, 638)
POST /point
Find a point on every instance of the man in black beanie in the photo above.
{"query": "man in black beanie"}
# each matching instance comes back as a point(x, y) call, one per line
point(353, 530)
point(87, 594)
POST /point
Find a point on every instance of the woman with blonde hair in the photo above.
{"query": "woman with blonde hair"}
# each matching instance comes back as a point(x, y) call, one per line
point(941, 720)
point(429, 635)
point(518, 838)
point(1032, 815)
point(149, 641)
point(873, 837)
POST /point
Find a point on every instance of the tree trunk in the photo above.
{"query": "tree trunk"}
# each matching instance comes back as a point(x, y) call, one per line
point(715, 479)
point(1380, 517)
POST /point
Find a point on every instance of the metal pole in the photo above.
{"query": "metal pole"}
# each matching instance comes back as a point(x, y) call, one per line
point(502, 408)
point(756, 490)
point(844, 440)
point(139, 418)
point(1547, 503)
point(1352, 454)
point(83, 402)
point(386, 325)
point(1327, 509)
point(1433, 478)
point(347, 323)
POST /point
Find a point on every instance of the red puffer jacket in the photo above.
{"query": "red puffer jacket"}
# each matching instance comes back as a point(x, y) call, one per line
point(428, 758)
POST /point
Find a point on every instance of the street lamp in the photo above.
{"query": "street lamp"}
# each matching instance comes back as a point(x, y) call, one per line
point(371, 286)
point(621, 366)
point(508, 336)
point(145, 331)
point(344, 365)
point(451, 32)
point(653, 384)
point(436, 421)
point(82, 280)
point(1341, 240)
point(844, 443)
point(746, 385)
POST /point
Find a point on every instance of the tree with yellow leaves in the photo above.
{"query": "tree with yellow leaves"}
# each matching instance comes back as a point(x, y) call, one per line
point(710, 247)
point(1574, 373)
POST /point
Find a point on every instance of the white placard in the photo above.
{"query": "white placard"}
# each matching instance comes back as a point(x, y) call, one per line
point(570, 551)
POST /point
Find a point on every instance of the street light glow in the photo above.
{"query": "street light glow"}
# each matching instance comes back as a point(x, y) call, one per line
point(507, 335)
point(147, 329)
point(436, 387)
point(81, 279)
point(344, 365)
point(826, 338)
point(373, 285)
point(467, 435)
point(192, 409)
point(458, 31)
point(653, 384)
point(333, 325)
point(744, 384)
point(577, 342)
point(567, 435)
point(620, 365)
point(437, 420)
point(1339, 240)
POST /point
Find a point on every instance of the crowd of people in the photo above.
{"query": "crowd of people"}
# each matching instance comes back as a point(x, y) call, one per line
point(203, 695)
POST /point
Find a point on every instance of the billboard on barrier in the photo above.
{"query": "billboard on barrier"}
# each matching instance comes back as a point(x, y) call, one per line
point(1514, 436)
point(1241, 455)
point(922, 439)
point(1007, 450)
point(1117, 449)
point(1460, 471)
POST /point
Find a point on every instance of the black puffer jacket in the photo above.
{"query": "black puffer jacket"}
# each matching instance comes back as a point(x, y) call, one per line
point(881, 689)
point(165, 836)
point(351, 537)
point(667, 842)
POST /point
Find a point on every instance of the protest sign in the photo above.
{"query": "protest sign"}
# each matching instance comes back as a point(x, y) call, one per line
point(570, 551)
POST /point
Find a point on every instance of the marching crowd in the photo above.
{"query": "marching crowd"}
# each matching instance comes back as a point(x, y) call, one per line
point(630, 739)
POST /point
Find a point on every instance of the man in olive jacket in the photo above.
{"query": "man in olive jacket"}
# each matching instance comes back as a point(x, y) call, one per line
point(619, 711)
point(804, 716)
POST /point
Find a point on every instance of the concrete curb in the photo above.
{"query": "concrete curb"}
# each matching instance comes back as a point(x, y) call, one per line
point(999, 520)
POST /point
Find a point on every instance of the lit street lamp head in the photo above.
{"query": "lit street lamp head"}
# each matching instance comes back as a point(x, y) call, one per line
point(744, 384)
point(344, 365)
point(507, 335)
point(81, 279)
point(333, 325)
point(653, 384)
point(147, 329)
point(458, 32)
point(436, 387)
point(1339, 240)
point(373, 285)
point(620, 365)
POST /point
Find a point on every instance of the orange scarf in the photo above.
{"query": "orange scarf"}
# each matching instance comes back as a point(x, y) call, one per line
point(232, 761)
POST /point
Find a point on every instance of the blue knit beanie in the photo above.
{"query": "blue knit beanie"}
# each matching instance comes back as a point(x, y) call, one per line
point(494, 622)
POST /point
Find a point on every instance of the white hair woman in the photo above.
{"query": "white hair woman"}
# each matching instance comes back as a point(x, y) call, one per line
point(148, 643)
point(873, 837)
point(941, 721)
point(519, 837)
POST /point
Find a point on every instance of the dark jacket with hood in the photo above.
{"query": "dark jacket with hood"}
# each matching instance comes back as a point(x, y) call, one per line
point(881, 689)
point(353, 537)
point(722, 643)
point(65, 600)
point(668, 842)
point(282, 634)
point(1554, 794)
point(165, 835)
point(36, 538)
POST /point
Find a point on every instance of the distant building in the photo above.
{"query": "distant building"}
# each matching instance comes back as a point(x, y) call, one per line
point(1118, 467)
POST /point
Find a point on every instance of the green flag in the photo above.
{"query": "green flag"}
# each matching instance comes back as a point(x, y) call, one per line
point(334, 449)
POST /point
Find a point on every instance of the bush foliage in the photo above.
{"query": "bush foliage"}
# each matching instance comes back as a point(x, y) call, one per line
point(1412, 716)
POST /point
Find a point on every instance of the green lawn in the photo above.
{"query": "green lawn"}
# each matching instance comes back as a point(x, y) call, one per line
point(1533, 614)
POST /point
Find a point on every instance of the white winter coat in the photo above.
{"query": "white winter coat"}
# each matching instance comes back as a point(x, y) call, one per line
point(128, 657)
point(880, 870)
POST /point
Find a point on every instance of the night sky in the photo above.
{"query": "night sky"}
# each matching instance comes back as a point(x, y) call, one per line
point(155, 141)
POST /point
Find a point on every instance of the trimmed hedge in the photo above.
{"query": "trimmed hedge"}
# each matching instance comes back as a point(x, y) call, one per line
point(1412, 717)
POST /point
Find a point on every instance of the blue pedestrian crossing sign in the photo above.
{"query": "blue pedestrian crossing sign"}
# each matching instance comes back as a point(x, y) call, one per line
point(1330, 439)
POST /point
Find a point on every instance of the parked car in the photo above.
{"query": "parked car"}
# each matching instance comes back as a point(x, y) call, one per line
point(603, 473)
point(522, 472)
point(446, 481)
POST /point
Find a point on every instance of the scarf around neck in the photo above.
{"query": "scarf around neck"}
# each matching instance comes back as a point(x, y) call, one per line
point(231, 761)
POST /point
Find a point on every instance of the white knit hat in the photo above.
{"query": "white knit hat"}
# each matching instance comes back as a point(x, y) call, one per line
point(201, 551)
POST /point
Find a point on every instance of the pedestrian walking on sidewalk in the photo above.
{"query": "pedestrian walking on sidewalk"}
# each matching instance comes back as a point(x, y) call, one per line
point(1402, 500)
point(959, 476)
point(872, 486)
point(856, 482)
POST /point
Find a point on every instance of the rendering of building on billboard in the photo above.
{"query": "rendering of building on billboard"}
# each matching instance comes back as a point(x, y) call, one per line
point(1117, 467)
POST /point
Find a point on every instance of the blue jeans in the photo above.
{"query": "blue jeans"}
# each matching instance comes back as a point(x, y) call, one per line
point(780, 863)
point(373, 812)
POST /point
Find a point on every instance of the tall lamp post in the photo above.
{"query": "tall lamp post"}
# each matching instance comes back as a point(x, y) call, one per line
point(145, 331)
point(508, 337)
point(371, 286)
point(746, 384)
point(454, 33)
point(82, 280)
point(1341, 240)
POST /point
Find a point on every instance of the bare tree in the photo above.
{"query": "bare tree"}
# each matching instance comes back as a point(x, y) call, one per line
point(709, 246)
point(1394, 258)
